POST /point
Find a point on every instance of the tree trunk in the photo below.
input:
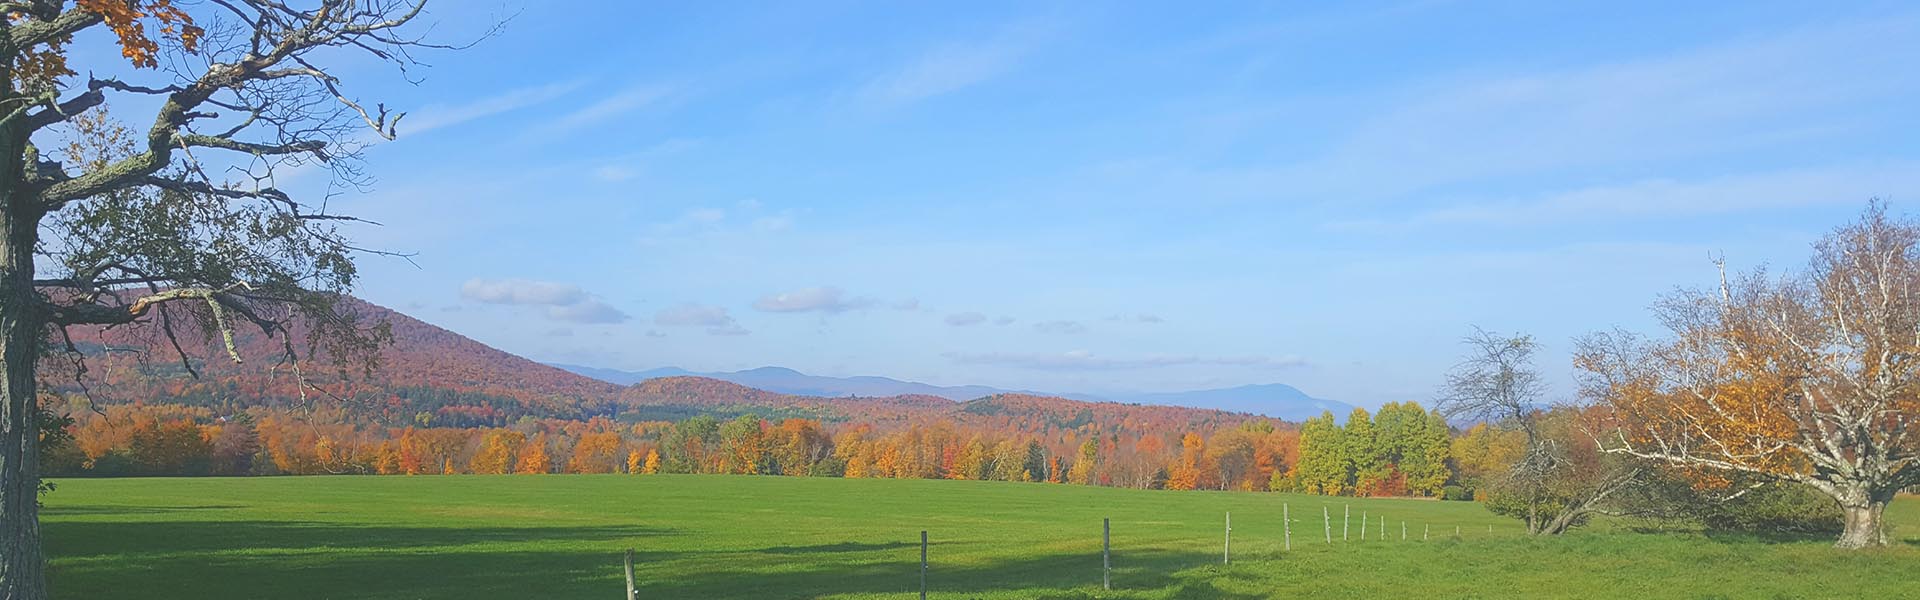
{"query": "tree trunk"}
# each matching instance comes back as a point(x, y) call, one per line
point(22, 568)
point(1862, 508)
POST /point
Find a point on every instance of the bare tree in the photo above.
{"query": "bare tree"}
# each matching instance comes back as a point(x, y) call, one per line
point(179, 226)
point(1813, 377)
point(1562, 479)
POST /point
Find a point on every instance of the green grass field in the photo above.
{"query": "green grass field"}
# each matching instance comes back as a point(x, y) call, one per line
point(473, 537)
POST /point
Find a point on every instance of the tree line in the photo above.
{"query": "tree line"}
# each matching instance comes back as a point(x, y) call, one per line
point(1404, 450)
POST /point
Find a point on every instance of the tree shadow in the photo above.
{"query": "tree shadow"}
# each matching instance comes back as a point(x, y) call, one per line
point(840, 547)
point(102, 510)
point(81, 539)
point(301, 559)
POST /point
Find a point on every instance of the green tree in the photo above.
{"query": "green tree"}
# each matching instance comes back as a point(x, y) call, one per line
point(1323, 467)
point(1366, 459)
point(741, 450)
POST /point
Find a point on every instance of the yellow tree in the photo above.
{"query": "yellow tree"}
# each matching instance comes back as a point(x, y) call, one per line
point(653, 463)
point(1812, 377)
point(1084, 463)
point(533, 458)
point(595, 453)
point(497, 451)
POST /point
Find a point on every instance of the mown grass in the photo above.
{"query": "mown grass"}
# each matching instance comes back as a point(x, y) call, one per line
point(473, 537)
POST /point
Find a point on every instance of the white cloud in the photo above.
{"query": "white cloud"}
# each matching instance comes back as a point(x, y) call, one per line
point(714, 318)
point(907, 304)
point(1003, 321)
point(521, 291)
point(1082, 360)
point(1139, 318)
point(590, 311)
point(564, 302)
point(825, 299)
point(966, 318)
point(615, 173)
point(1060, 327)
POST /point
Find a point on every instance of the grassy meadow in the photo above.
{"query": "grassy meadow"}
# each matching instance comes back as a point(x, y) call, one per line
point(561, 536)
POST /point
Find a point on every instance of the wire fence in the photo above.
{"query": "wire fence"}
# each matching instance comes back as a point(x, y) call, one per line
point(1378, 525)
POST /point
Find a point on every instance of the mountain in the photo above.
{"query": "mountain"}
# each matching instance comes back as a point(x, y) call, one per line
point(789, 381)
point(426, 368)
point(1276, 400)
point(430, 376)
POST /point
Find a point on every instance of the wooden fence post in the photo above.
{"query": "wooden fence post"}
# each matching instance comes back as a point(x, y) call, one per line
point(923, 565)
point(1106, 554)
point(631, 592)
point(1286, 524)
point(1403, 531)
point(1346, 521)
point(1426, 530)
point(1364, 522)
point(1383, 528)
point(1226, 550)
point(1326, 519)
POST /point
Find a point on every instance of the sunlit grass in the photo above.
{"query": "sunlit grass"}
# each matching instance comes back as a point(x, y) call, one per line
point(762, 537)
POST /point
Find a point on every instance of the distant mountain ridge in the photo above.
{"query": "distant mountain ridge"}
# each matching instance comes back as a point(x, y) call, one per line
point(1276, 400)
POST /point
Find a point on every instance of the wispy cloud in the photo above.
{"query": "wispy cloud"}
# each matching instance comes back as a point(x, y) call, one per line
point(1060, 327)
point(1082, 360)
point(951, 67)
point(964, 319)
point(620, 103)
point(1754, 93)
point(1670, 197)
point(439, 116)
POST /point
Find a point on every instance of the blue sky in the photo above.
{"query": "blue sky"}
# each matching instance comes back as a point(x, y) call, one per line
point(1122, 197)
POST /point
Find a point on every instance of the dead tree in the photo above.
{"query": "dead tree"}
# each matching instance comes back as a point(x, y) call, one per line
point(1562, 479)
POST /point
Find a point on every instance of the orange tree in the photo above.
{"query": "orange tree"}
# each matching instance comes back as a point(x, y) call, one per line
point(1811, 377)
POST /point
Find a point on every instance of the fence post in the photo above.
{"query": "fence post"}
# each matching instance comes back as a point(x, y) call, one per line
point(1403, 531)
point(1226, 551)
point(631, 592)
point(1364, 522)
point(1383, 528)
point(1346, 521)
point(923, 565)
point(1326, 519)
point(1286, 524)
point(1106, 554)
point(1426, 530)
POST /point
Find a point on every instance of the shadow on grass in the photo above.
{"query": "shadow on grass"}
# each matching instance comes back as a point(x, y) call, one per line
point(82, 539)
point(262, 559)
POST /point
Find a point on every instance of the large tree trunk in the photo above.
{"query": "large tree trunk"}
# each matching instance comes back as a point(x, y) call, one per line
point(22, 567)
point(1863, 508)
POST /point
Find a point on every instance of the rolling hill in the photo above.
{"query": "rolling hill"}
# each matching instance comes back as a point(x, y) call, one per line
point(430, 374)
point(1276, 400)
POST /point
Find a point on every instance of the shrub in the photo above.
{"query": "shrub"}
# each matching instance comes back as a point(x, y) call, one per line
point(1454, 492)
